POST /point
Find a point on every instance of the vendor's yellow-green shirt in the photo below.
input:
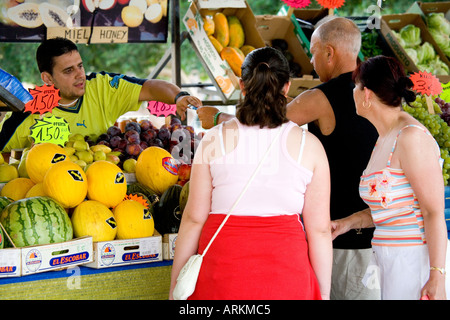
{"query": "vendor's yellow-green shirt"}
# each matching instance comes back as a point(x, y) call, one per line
point(107, 97)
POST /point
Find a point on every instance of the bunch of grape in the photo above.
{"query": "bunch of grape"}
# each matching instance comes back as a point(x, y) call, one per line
point(437, 127)
point(445, 109)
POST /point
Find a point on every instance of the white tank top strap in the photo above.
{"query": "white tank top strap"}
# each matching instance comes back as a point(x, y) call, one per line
point(222, 145)
point(302, 145)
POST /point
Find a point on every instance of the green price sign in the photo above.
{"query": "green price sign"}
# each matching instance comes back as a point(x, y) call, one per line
point(50, 129)
point(445, 95)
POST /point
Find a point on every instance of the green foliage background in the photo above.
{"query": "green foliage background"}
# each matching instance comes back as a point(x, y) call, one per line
point(138, 58)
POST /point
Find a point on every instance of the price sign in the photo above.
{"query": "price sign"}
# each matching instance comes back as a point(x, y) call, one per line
point(297, 3)
point(50, 129)
point(158, 108)
point(426, 83)
point(331, 4)
point(445, 95)
point(45, 98)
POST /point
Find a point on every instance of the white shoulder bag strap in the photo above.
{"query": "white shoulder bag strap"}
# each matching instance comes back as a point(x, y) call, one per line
point(243, 191)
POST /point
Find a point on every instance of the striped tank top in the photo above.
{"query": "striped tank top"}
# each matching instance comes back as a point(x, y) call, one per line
point(394, 206)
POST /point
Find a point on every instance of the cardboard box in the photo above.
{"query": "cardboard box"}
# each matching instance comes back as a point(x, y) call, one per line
point(280, 27)
point(425, 8)
point(298, 85)
point(56, 256)
point(223, 78)
point(396, 22)
point(304, 31)
point(125, 252)
point(169, 240)
point(10, 262)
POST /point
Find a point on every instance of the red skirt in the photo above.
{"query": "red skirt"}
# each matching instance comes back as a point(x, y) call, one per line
point(256, 258)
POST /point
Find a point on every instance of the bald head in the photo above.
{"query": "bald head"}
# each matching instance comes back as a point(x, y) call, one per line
point(341, 33)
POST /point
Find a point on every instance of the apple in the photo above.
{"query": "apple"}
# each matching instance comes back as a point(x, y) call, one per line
point(184, 172)
point(123, 2)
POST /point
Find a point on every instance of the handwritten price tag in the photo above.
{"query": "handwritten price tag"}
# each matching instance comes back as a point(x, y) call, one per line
point(161, 109)
point(45, 98)
point(426, 83)
point(331, 4)
point(445, 95)
point(297, 3)
point(50, 129)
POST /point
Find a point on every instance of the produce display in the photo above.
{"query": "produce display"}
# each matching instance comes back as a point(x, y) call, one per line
point(437, 127)
point(421, 52)
point(439, 28)
point(81, 189)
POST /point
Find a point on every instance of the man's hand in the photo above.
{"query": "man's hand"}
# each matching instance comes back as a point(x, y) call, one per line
point(206, 115)
point(183, 103)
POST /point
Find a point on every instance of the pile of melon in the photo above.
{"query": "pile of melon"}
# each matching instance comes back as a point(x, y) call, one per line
point(59, 200)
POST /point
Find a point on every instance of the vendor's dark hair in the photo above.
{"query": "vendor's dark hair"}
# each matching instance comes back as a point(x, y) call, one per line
point(51, 48)
point(386, 77)
point(265, 71)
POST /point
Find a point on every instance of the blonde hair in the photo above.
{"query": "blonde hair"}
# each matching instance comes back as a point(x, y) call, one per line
point(340, 33)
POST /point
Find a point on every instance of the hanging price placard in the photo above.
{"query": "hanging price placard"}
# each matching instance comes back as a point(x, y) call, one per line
point(331, 4)
point(426, 83)
point(45, 98)
point(161, 109)
point(445, 95)
point(298, 4)
point(50, 129)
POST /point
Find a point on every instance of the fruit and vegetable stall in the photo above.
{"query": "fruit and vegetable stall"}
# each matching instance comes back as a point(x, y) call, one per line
point(108, 229)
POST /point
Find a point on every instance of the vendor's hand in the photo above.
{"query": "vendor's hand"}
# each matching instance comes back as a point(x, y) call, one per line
point(339, 227)
point(206, 115)
point(183, 103)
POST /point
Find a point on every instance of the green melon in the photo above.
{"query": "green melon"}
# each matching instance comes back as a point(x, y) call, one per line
point(36, 220)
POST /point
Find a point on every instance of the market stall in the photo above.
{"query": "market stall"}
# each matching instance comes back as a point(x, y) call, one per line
point(140, 170)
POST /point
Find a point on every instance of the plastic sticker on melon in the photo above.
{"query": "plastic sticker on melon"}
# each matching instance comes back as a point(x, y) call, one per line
point(169, 164)
point(58, 157)
point(120, 178)
point(111, 222)
point(147, 214)
point(76, 175)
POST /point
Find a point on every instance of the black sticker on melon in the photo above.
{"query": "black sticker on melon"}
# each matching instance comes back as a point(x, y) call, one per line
point(147, 214)
point(112, 223)
point(120, 178)
point(76, 175)
point(58, 157)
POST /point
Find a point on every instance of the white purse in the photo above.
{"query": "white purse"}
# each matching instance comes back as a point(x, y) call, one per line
point(187, 279)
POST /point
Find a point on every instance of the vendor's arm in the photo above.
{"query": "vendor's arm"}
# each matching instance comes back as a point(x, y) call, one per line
point(208, 114)
point(358, 220)
point(311, 105)
point(164, 91)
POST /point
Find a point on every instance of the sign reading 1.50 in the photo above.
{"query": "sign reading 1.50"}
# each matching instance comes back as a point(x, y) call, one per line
point(50, 129)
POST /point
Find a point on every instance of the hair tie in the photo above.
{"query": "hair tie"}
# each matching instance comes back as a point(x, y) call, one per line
point(264, 63)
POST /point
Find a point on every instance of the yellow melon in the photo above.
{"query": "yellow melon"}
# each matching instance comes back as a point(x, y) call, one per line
point(41, 157)
point(16, 189)
point(93, 218)
point(36, 191)
point(66, 182)
point(156, 169)
point(134, 220)
point(106, 183)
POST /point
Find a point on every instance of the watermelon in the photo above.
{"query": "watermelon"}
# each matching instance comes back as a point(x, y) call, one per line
point(4, 201)
point(167, 213)
point(36, 220)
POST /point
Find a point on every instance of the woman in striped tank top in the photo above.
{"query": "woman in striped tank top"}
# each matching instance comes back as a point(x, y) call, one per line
point(403, 187)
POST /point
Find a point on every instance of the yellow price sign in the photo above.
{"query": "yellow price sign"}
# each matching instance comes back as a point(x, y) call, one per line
point(50, 129)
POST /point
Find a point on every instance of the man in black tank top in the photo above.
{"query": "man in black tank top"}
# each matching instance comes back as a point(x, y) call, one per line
point(348, 139)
